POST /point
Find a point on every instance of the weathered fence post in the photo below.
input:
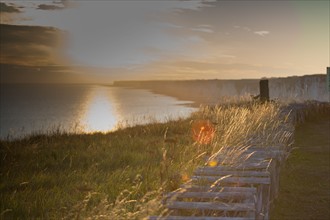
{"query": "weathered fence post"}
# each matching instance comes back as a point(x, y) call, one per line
point(264, 90)
point(328, 78)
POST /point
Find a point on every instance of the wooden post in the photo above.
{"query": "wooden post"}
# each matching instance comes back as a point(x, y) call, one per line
point(328, 78)
point(264, 90)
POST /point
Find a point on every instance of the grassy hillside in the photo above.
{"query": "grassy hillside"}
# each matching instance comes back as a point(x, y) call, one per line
point(124, 173)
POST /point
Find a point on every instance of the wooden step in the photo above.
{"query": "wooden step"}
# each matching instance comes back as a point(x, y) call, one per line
point(198, 218)
point(216, 206)
point(240, 180)
point(272, 153)
point(259, 165)
point(268, 148)
point(211, 195)
point(199, 188)
point(244, 157)
point(209, 171)
point(268, 154)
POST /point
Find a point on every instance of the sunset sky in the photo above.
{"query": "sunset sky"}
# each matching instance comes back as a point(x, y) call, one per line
point(102, 41)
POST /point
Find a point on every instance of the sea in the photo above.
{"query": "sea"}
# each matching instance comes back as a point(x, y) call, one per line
point(27, 109)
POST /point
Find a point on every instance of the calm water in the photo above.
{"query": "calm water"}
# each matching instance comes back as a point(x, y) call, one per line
point(27, 109)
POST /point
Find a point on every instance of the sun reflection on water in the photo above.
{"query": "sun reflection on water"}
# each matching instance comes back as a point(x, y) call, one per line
point(109, 108)
point(100, 115)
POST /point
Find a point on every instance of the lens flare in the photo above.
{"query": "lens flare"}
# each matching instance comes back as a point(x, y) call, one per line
point(203, 131)
point(184, 177)
point(213, 163)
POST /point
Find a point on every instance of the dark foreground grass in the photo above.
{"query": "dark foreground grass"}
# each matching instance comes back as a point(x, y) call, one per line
point(47, 176)
point(305, 180)
point(123, 174)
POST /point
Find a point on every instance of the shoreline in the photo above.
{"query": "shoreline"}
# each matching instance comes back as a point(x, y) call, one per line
point(210, 92)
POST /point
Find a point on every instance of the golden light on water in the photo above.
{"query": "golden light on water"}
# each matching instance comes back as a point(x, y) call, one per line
point(106, 109)
point(100, 115)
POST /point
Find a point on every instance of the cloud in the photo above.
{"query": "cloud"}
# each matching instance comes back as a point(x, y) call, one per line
point(115, 33)
point(242, 28)
point(11, 73)
point(57, 5)
point(188, 69)
point(203, 29)
point(49, 7)
point(8, 8)
point(65, 3)
point(261, 33)
point(30, 45)
point(248, 29)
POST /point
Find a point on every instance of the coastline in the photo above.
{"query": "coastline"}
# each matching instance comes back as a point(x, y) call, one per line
point(212, 92)
point(88, 174)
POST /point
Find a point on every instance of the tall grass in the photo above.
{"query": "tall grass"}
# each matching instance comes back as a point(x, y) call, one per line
point(123, 174)
point(240, 127)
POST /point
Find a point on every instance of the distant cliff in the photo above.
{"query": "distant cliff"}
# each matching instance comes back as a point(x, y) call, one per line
point(310, 87)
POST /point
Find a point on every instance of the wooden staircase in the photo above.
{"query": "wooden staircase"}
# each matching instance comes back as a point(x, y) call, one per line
point(229, 192)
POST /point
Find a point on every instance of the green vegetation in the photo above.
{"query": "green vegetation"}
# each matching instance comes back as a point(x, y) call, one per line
point(305, 179)
point(52, 176)
point(122, 175)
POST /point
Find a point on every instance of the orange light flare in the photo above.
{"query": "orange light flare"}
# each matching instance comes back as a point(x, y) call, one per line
point(203, 131)
point(185, 177)
point(212, 163)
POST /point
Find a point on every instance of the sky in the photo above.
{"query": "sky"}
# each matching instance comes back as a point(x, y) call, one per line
point(102, 41)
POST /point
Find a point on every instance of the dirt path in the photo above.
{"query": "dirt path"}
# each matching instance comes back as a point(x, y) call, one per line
point(305, 178)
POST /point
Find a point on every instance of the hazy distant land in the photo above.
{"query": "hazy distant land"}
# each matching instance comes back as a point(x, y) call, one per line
point(298, 88)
